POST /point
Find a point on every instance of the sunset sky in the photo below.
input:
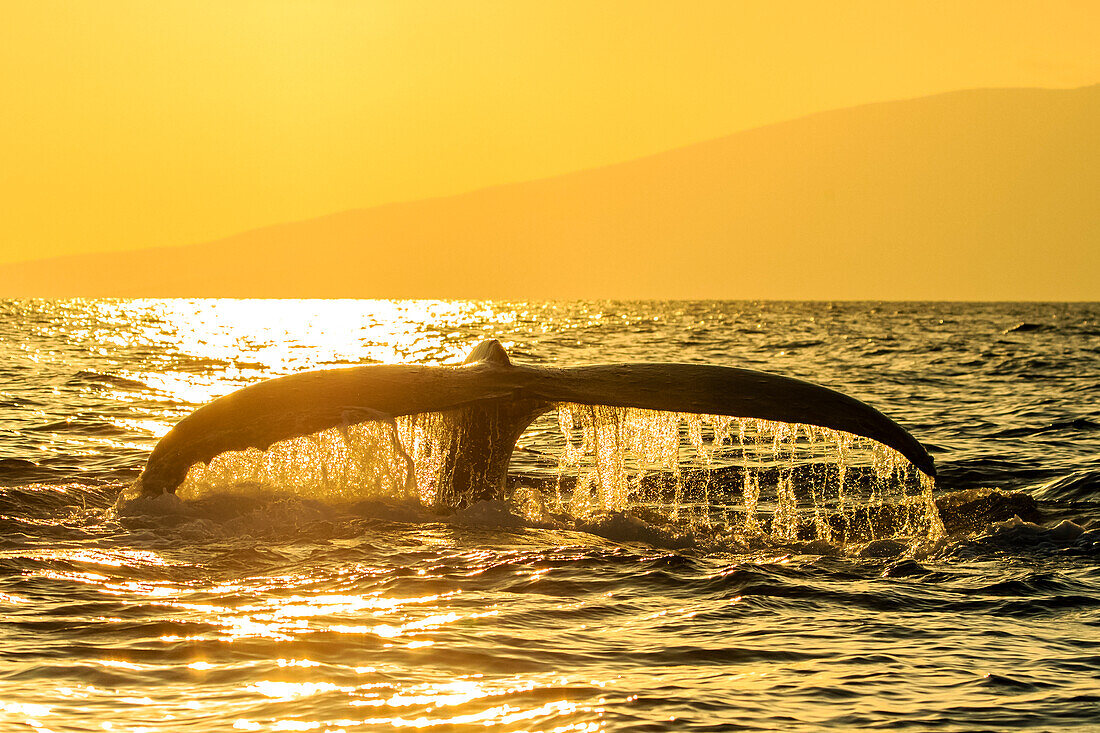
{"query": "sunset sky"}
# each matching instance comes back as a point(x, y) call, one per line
point(141, 124)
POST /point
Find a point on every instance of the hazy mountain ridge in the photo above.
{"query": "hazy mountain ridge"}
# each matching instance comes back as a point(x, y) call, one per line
point(968, 194)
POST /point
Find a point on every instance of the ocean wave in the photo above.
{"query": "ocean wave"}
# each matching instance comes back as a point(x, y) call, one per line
point(105, 380)
point(20, 470)
point(993, 470)
point(1027, 327)
point(1078, 486)
point(1080, 424)
point(80, 426)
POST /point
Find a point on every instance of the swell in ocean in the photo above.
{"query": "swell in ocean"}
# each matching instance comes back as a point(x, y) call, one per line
point(648, 599)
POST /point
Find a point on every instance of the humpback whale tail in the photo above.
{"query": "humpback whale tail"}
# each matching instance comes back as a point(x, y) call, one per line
point(490, 402)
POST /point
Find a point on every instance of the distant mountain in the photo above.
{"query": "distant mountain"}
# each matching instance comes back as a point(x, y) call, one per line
point(983, 194)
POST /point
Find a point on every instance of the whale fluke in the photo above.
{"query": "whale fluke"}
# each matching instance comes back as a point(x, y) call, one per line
point(497, 401)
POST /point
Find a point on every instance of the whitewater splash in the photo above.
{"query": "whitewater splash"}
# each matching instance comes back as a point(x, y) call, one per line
point(787, 480)
point(749, 479)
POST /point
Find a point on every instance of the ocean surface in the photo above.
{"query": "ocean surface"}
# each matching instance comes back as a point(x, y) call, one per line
point(282, 608)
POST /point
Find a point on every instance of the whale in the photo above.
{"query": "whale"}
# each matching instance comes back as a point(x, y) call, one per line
point(495, 400)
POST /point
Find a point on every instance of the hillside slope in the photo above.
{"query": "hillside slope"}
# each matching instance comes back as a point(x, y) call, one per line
point(982, 194)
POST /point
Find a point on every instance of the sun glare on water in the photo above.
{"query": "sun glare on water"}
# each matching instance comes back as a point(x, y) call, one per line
point(318, 695)
point(209, 347)
point(293, 607)
point(289, 335)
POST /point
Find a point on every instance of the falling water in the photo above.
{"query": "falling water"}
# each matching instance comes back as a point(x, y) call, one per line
point(748, 479)
point(754, 477)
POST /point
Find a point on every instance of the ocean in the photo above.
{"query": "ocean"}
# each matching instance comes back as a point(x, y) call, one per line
point(672, 603)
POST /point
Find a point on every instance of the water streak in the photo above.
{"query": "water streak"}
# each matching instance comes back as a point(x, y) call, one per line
point(706, 474)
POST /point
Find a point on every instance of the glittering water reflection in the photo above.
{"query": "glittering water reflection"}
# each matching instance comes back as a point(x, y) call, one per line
point(298, 614)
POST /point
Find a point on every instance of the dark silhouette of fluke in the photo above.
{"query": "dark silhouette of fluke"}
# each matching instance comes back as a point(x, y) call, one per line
point(495, 401)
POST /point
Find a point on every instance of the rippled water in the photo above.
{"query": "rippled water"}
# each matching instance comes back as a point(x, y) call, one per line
point(295, 613)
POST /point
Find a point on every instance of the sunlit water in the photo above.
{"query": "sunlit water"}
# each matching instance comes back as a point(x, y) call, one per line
point(588, 601)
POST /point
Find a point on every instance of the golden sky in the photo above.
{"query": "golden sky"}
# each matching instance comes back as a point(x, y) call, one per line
point(153, 123)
